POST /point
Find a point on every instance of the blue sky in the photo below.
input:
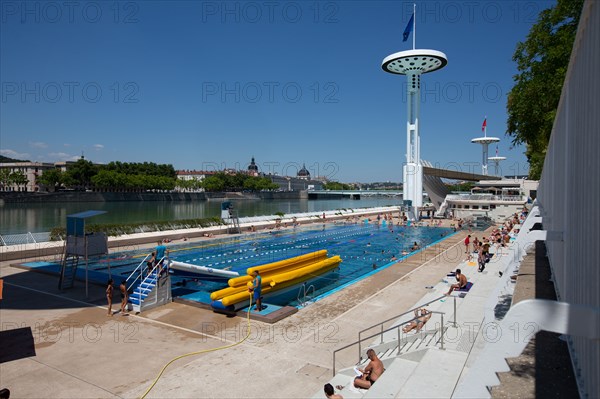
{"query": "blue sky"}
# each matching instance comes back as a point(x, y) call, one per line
point(209, 84)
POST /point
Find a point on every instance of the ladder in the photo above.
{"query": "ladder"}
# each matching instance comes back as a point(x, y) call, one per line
point(68, 271)
point(234, 227)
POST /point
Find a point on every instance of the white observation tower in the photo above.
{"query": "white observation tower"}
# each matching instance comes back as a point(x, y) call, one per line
point(496, 160)
point(413, 63)
point(485, 141)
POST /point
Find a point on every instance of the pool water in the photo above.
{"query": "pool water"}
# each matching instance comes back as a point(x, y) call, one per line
point(364, 248)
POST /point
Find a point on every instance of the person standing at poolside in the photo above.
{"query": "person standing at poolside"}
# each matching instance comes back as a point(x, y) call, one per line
point(109, 294)
point(161, 252)
point(124, 297)
point(467, 243)
point(257, 288)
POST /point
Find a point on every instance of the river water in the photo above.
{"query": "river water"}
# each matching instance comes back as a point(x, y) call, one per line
point(35, 218)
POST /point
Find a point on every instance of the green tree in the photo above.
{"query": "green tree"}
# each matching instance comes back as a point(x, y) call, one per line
point(213, 183)
point(337, 186)
point(51, 178)
point(5, 178)
point(81, 173)
point(542, 61)
point(19, 178)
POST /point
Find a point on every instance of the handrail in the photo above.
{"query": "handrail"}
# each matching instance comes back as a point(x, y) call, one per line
point(135, 270)
point(158, 264)
point(390, 329)
point(304, 292)
point(402, 314)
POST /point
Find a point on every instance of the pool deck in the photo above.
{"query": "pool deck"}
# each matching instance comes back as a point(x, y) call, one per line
point(80, 352)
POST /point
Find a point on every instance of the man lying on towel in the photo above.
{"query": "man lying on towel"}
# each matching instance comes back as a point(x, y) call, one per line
point(461, 282)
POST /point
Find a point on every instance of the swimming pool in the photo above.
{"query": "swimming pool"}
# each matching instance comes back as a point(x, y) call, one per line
point(364, 248)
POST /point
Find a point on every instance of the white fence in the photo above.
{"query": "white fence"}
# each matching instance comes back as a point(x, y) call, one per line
point(569, 190)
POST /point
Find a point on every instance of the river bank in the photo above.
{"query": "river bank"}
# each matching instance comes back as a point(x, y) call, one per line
point(93, 196)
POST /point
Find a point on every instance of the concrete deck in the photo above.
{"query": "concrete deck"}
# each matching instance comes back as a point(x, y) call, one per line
point(81, 352)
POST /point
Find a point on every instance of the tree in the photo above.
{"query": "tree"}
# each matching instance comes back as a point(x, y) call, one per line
point(5, 178)
point(542, 61)
point(81, 172)
point(51, 178)
point(19, 178)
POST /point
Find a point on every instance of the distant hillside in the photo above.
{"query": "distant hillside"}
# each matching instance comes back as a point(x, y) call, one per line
point(4, 159)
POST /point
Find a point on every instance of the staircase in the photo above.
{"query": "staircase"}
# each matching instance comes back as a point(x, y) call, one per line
point(412, 343)
point(442, 211)
point(152, 292)
point(68, 271)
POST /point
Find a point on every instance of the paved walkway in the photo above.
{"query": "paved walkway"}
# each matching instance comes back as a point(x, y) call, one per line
point(80, 352)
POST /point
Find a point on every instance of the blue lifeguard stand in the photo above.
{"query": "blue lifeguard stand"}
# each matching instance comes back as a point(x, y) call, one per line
point(230, 217)
point(80, 246)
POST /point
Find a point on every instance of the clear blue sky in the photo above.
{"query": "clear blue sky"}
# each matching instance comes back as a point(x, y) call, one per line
point(209, 84)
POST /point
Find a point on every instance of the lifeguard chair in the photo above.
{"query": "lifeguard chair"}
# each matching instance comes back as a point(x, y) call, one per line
point(79, 247)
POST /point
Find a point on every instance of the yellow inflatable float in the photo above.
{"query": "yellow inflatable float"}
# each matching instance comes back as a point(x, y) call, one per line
point(276, 276)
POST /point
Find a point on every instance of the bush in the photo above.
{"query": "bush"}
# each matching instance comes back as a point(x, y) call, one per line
point(117, 229)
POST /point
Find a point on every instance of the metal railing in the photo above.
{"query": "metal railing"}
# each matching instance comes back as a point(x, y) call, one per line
point(150, 275)
point(25, 238)
point(397, 327)
point(305, 291)
point(139, 267)
point(380, 324)
point(486, 197)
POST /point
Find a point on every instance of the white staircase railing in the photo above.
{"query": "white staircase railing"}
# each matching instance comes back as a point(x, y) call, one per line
point(396, 327)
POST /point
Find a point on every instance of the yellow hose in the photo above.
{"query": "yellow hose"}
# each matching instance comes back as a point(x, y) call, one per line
point(199, 352)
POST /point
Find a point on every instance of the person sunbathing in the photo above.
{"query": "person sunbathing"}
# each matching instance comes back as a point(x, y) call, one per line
point(422, 316)
point(371, 373)
point(461, 282)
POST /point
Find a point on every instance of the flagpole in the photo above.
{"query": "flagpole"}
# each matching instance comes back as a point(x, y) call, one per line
point(414, 24)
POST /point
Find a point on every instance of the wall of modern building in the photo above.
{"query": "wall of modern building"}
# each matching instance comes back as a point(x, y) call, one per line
point(569, 191)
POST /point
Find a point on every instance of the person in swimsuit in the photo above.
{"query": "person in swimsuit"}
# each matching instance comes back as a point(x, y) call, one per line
point(109, 294)
point(461, 282)
point(257, 288)
point(422, 316)
point(124, 297)
point(371, 373)
point(330, 392)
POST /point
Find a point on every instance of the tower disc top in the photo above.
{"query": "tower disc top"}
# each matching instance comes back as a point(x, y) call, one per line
point(415, 61)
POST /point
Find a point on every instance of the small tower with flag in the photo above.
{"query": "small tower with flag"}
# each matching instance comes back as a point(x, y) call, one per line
point(485, 141)
point(413, 63)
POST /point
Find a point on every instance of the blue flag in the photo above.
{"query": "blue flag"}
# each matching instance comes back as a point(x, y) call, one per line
point(409, 28)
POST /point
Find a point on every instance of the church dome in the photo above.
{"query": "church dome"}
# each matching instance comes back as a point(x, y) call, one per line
point(304, 173)
point(253, 167)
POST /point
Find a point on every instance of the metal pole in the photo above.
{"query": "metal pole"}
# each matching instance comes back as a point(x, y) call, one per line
point(454, 312)
point(381, 333)
point(334, 363)
point(414, 24)
point(442, 331)
point(359, 348)
point(398, 340)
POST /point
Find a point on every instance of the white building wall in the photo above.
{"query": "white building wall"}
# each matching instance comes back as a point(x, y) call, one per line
point(569, 190)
